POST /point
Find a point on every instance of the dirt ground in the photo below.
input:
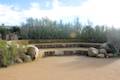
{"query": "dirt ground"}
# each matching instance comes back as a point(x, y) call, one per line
point(64, 68)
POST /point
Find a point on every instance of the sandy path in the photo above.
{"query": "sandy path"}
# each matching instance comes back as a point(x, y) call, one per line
point(64, 68)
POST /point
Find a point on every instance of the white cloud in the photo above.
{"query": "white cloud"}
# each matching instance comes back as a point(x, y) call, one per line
point(10, 15)
point(103, 11)
point(98, 11)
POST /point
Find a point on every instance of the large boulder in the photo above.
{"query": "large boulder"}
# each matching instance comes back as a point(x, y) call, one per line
point(110, 55)
point(103, 51)
point(18, 60)
point(93, 52)
point(33, 51)
point(25, 58)
point(100, 55)
point(108, 47)
point(104, 46)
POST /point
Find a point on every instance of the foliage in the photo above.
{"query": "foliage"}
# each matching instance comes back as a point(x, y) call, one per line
point(13, 51)
point(87, 34)
point(100, 34)
point(47, 29)
point(3, 32)
point(5, 56)
point(113, 37)
point(14, 29)
point(9, 52)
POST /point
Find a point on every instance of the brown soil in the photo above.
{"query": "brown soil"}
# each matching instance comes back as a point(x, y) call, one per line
point(64, 68)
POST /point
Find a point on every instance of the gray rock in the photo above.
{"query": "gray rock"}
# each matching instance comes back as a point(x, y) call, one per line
point(108, 47)
point(33, 52)
point(101, 56)
point(27, 58)
point(103, 51)
point(18, 60)
point(110, 55)
point(104, 46)
point(93, 52)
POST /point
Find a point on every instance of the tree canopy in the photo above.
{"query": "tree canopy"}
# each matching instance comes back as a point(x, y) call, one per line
point(47, 29)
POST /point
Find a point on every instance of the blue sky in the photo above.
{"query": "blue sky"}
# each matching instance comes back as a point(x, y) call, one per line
point(42, 3)
point(102, 12)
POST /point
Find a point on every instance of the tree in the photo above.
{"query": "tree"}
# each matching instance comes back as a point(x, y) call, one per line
point(77, 27)
point(87, 34)
point(100, 34)
point(113, 37)
point(15, 29)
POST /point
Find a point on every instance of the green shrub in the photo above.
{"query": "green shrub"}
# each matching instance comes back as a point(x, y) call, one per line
point(16, 50)
point(9, 52)
point(5, 56)
point(13, 52)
